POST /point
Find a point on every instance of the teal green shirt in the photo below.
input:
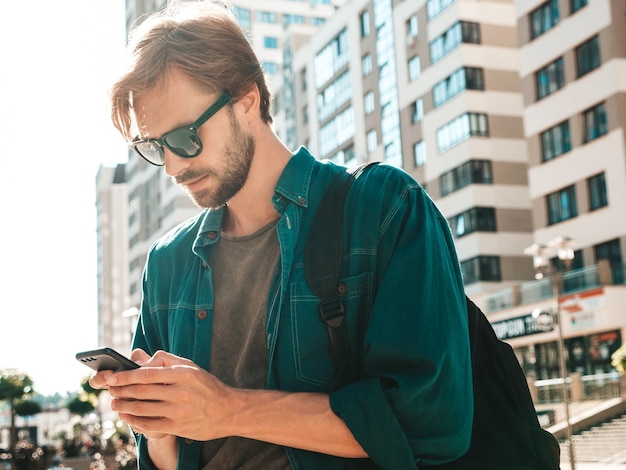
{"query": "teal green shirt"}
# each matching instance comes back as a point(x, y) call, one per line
point(411, 401)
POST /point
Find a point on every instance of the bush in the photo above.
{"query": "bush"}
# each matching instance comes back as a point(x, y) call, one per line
point(618, 359)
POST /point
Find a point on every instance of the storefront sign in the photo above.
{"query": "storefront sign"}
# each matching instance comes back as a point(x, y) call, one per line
point(519, 326)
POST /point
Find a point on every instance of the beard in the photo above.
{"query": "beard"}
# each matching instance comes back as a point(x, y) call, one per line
point(237, 156)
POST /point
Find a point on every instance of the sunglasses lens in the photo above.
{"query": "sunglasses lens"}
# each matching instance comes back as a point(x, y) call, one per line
point(183, 142)
point(151, 151)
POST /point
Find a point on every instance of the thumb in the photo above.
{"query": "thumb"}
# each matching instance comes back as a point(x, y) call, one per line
point(139, 356)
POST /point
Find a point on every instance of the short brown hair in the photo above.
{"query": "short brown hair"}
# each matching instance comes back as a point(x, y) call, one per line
point(201, 39)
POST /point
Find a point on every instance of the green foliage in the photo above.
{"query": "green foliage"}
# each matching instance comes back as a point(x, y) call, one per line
point(14, 385)
point(27, 408)
point(618, 359)
point(80, 407)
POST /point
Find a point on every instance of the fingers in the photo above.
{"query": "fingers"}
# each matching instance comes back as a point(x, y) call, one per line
point(139, 356)
point(149, 374)
point(99, 379)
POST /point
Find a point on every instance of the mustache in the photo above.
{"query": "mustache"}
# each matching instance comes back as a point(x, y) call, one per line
point(192, 174)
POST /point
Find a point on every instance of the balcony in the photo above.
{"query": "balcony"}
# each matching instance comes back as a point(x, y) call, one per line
point(573, 281)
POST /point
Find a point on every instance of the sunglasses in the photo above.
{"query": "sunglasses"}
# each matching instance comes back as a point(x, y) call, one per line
point(183, 141)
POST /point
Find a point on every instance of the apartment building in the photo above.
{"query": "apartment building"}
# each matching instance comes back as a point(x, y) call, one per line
point(573, 70)
point(511, 114)
point(432, 87)
point(573, 80)
point(114, 329)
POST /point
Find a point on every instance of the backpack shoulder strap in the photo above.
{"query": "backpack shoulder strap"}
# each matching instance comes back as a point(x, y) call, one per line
point(323, 256)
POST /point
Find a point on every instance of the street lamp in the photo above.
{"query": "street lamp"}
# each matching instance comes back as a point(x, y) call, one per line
point(564, 247)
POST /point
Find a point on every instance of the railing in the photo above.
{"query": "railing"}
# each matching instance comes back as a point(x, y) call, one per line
point(594, 387)
point(535, 291)
point(601, 386)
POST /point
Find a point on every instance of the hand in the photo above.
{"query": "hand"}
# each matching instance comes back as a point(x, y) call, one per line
point(170, 395)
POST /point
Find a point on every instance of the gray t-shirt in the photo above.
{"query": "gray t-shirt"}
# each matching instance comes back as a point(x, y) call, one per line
point(243, 269)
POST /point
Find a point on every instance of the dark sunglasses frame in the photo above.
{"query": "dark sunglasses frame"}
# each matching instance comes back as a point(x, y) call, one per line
point(191, 129)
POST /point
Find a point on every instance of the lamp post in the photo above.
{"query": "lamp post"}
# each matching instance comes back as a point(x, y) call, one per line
point(564, 247)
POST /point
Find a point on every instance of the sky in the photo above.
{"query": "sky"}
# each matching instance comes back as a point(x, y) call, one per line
point(57, 60)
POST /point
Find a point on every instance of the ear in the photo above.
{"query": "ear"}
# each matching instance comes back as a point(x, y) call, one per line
point(249, 104)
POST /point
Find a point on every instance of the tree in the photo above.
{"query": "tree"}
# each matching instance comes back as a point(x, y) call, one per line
point(15, 387)
point(80, 407)
point(26, 408)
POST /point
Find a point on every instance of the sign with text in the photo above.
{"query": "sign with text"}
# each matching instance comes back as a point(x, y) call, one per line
point(518, 326)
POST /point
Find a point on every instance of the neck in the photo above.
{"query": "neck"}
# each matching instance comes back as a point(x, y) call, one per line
point(251, 208)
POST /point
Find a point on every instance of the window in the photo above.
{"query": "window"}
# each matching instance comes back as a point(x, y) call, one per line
point(334, 96)
point(435, 7)
point(365, 24)
point(577, 5)
point(369, 103)
point(372, 141)
point(411, 28)
point(594, 123)
point(474, 78)
point(270, 42)
point(419, 152)
point(555, 141)
point(266, 17)
point(471, 172)
point(336, 132)
point(550, 78)
point(588, 56)
point(611, 251)
point(461, 129)
point(289, 19)
point(596, 186)
point(345, 157)
point(331, 59)
point(415, 68)
point(481, 268)
point(417, 113)
point(544, 18)
point(460, 32)
point(477, 219)
point(271, 68)
point(562, 205)
point(366, 64)
point(470, 78)
point(243, 17)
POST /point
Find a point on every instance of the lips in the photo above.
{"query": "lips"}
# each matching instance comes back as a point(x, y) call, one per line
point(195, 184)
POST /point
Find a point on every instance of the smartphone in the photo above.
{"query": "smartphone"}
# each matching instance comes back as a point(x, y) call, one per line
point(105, 359)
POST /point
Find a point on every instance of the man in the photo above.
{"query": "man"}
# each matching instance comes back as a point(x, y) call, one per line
point(236, 365)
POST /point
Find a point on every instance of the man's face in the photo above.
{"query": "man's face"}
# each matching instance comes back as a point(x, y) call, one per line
point(218, 173)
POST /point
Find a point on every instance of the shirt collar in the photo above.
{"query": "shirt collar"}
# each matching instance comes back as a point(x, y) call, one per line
point(293, 184)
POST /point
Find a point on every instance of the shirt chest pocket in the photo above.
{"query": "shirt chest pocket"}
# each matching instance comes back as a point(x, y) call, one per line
point(310, 340)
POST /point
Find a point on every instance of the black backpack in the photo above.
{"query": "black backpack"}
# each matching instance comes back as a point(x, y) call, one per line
point(506, 434)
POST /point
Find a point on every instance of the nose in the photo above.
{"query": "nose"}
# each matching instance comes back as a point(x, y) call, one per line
point(175, 165)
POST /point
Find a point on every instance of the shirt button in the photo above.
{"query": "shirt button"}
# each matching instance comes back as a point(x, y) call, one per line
point(342, 288)
point(301, 200)
point(201, 314)
point(204, 265)
point(189, 441)
point(212, 235)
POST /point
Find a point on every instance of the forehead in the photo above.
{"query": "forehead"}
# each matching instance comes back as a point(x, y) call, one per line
point(175, 101)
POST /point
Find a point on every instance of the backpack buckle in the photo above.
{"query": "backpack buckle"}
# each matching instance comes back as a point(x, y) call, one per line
point(332, 313)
